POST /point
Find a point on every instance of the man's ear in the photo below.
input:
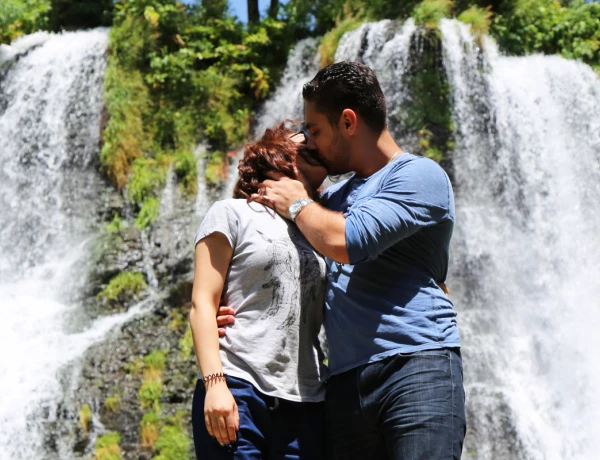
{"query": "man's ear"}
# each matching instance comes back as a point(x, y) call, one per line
point(349, 121)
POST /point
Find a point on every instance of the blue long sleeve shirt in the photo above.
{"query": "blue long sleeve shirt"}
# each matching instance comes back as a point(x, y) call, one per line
point(386, 301)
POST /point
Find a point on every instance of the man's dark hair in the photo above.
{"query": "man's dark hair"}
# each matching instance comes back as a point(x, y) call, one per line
point(348, 85)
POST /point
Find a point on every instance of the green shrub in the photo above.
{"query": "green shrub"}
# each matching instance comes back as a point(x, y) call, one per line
point(124, 286)
point(546, 26)
point(480, 19)
point(148, 176)
point(429, 12)
point(107, 447)
point(148, 213)
point(173, 444)
point(149, 393)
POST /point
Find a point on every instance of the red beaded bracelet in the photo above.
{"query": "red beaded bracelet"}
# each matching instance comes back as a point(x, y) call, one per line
point(211, 377)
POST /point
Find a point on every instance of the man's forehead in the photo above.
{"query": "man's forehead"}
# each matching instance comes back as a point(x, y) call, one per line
point(311, 116)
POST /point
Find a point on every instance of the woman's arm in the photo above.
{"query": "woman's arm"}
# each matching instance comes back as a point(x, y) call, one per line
point(213, 256)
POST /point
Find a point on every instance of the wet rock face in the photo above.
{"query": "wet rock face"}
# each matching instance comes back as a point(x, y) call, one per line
point(114, 368)
point(109, 370)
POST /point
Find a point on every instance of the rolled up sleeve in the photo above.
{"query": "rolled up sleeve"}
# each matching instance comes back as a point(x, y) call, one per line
point(412, 197)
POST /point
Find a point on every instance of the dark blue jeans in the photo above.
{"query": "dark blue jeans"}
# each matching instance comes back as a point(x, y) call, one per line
point(405, 407)
point(270, 428)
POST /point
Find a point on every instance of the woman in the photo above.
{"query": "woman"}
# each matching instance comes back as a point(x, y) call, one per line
point(261, 391)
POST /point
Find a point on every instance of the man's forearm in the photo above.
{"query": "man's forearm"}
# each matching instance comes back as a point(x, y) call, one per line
point(325, 230)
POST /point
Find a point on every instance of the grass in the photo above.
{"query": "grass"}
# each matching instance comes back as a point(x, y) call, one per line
point(85, 418)
point(186, 344)
point(107, 447)
point(186, 172)
point(149, 394)
point(154, 364)
point(112, 404)
point(148, 213)
point(150, 428)
point(124, 286)
point(331, 39)
point(173, 442)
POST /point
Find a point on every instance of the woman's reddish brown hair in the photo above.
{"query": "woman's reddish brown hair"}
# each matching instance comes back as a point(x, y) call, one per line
point(273, 152)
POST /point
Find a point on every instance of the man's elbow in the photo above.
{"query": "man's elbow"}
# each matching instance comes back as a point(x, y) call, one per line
point(338, 252)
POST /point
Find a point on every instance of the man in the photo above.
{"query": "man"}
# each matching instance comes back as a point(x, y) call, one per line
point(396, 388)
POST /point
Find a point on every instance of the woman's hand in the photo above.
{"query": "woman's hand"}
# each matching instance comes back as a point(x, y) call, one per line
point(221, 413)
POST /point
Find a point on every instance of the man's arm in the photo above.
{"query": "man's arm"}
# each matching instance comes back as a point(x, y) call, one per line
point(325, 230)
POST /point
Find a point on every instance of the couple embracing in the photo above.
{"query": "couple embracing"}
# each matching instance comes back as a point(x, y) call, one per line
point(367, 258)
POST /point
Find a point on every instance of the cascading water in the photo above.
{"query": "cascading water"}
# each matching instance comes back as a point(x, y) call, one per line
point(286, 102)
point(526, 253)
point(50, 106)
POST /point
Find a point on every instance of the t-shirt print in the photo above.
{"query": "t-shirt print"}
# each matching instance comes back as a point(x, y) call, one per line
point(293, 270)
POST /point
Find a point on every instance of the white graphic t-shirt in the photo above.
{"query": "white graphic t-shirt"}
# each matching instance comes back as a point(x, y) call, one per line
point(275, 284)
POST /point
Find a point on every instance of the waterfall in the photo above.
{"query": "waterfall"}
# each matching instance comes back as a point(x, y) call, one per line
point(50, 193)
point(286, 102)
point(526, 255)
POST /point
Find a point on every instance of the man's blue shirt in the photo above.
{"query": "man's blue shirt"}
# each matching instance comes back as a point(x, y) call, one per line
point(399, 223)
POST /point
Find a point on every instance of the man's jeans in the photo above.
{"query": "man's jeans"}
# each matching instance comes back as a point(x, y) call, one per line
point(405, 407)
point(270, 428)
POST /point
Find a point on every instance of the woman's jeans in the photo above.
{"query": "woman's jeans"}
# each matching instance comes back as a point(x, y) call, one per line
point(270, 428)
point(405, 407)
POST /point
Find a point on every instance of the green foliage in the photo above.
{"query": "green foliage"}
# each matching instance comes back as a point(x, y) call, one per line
point(197, 74)
point(154, 363)
point(115, 225)
point(21, 17)
point(429, 12)
point(331, 39)
point(149, 393)
point(127, 102)
point(186, 344)
point(147, 178)
point(480, 19)
point(112, 404)
point(107, 446)
point(85, 418)
point(428, 113)
point(148, 213)
point(546, 26)
point(173, 444)
point(123, 287)
point(216, 168)
point(150, 428)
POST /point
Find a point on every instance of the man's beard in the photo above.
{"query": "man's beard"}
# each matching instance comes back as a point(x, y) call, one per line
point(338, 162)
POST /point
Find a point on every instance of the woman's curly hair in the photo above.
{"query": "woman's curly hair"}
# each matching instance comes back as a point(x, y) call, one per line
point(273, 152)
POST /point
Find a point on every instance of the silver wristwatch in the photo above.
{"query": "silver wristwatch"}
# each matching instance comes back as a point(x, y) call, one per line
point(297, 206)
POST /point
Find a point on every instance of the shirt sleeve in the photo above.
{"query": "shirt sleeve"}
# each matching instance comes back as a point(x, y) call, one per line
point(413, 196)
point(219, 218)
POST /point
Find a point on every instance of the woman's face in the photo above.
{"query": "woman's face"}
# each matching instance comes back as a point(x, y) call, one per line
point(308, 165)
